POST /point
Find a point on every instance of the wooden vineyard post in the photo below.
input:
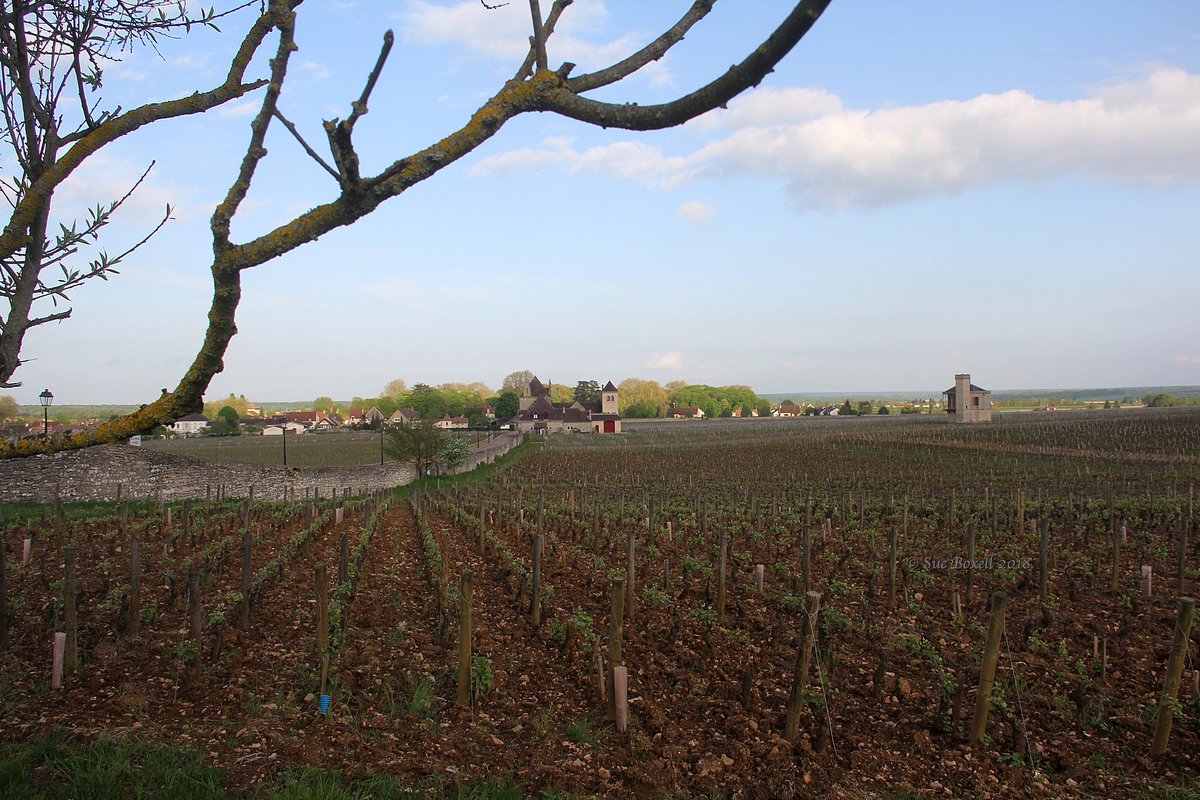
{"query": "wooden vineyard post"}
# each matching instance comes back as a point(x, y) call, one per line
point(247, 578)
point(616, 624)
point(322, 587)
point(535, 606)
point(343, 558)
point(893, 544)
point(630, 573)
point(806, 549)
point(1147, 580)
point(466, 587)
point(987, 673)
point(621, 690)
point(195, 622)
point(1043, 560)
point(70, 616)
point(759, 574)
point(1183, 549)
point(721, 577)
point(135, 585)
point(808, 629)
point(56, 660)
point(1167, 700)
point(482, 525)
point(1114, 585)
point(970, 562)
point(184, 524)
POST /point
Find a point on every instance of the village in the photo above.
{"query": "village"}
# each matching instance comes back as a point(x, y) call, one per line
point(536, 412)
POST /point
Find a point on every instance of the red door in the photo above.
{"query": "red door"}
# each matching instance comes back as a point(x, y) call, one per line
point(610, 426)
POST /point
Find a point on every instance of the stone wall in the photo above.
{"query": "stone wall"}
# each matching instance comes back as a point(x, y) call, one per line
point(96, 472)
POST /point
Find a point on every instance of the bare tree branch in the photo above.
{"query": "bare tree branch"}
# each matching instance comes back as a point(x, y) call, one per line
point(736, 80)
point(556, 11)
point(651, 52)
point(315, 156)
point(539, 35)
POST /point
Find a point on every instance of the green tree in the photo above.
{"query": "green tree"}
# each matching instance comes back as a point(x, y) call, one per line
point(847, 409)
point(452, 452)
point(506, 404)
point(419, 444)
point(642, 398)
point(238, 403)
point(395, 388)
point(324, 403)
point(535, 86)
point(428, 401)
point(9, 408)
point(588, 393)
point(884, 410)
point(229, 414)
point(516, 381)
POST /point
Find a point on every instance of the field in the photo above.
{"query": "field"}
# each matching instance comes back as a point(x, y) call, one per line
point(685, 552)
point(334, 449)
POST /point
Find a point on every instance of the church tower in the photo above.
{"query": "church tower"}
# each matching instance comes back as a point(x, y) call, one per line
point(608, 399)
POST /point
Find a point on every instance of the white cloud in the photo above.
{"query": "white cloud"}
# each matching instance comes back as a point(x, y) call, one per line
point(244, 108)
point(628, 160)
point(671, 361)
point(1144, 130)
point(697, 212)
point(504, 33)
point(313, 70)
point(1186, 361)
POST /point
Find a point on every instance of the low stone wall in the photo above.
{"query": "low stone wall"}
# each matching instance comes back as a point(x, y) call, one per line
point(95, 474)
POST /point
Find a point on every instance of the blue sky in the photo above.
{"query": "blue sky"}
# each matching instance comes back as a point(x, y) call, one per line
point(920, 189)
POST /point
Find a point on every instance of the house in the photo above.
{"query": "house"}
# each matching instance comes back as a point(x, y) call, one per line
point(329, 422)
point(279, 428)
point(789, 410)
point(353, 418)
point(190, 425)
point(404, 416)
point(968, 402)
point(305, 418)
point(452, 423)
point(686, 412)
point(539, 414)
point(486, 411)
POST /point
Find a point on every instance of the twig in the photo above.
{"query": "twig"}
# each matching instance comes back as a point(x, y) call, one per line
point(360, 107)
point(316, 157)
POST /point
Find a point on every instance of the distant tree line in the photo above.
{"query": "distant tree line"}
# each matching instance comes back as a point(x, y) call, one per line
point(1163, 400)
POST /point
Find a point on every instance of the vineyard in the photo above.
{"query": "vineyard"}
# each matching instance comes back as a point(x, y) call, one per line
point(777, 608)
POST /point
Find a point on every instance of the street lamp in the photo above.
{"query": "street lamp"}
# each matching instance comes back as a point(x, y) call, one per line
point(46, 398)
point(283, 428)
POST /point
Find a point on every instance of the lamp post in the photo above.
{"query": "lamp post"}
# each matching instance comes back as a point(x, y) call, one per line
point(284, 429)
point(46, 398)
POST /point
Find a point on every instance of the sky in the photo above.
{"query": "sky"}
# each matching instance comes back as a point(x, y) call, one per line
point(1006, 189)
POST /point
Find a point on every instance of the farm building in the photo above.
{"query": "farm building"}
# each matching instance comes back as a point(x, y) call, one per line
point(539, 414)
point(190, 425)
point(968, 402)
point(686, 412)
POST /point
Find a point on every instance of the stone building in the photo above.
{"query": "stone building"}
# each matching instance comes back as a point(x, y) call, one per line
point(539, 414)
point(968, 402)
